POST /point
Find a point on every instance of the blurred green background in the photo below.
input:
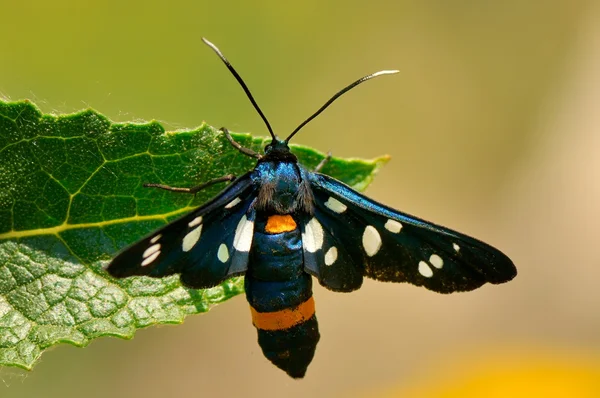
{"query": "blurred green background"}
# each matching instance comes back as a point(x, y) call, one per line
point(493, 128)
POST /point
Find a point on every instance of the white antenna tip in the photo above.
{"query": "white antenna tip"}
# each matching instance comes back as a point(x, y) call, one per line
point(386, 72)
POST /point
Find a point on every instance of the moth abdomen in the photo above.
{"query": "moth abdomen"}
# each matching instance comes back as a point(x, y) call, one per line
point(280, 295)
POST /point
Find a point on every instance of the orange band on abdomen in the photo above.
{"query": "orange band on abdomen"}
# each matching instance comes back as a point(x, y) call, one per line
point(283, 319)
point(277, 224)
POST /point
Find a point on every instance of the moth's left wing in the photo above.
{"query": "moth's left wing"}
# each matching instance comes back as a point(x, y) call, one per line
point(206, 246)
point(388, 245)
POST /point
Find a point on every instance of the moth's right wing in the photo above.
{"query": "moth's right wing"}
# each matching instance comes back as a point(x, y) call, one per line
point(351, 235)
point(206, 246)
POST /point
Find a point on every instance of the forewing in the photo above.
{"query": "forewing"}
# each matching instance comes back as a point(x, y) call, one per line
point(206, 246)
point(392, 246)
point(327, 255)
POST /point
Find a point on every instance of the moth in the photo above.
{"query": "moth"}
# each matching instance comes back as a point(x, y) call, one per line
point(281, 224)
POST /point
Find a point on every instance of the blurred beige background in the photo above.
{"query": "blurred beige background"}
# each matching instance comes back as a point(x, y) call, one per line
point(493, 128)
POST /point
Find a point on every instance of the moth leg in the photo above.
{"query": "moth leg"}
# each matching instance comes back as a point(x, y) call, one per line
point(193, 190)
point(323, 162)
point(245, 151)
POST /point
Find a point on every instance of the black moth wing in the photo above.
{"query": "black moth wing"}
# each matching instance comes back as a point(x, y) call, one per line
point(200, 245)
point(327, 255)
point(388, 245)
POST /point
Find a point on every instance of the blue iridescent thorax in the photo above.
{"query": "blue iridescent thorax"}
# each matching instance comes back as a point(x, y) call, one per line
point(283, 188)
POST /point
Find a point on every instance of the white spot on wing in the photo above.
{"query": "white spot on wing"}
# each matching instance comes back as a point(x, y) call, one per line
point(371, 241)
point(331, 255)
point(243, 235)
point(436, 261)
point(393, 226)
point(151, 250)
point(156, 238)
point(223, 253)
point(335, 205)
point(425, 270)
point(233, 203)
point(151, 258)
point(195, 222)
point(191, 238)
point(456, 247)
point(312, 238)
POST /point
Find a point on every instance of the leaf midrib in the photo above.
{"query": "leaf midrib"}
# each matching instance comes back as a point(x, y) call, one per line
point(66, 226)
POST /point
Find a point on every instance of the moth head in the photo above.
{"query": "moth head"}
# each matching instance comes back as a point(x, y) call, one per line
point(278, 150)
point(276, 145)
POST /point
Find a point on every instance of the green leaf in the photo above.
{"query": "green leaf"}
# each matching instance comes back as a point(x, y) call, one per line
point(71, 196)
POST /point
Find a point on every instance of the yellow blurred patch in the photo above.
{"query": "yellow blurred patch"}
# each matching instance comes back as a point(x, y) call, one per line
point(522, 373)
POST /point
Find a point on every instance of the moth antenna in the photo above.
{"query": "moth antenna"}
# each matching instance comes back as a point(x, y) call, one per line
point(241, 82)
point(337, 95)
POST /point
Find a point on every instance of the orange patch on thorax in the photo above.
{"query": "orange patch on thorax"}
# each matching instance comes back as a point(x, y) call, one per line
point(277, 224)
point(283, 319)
